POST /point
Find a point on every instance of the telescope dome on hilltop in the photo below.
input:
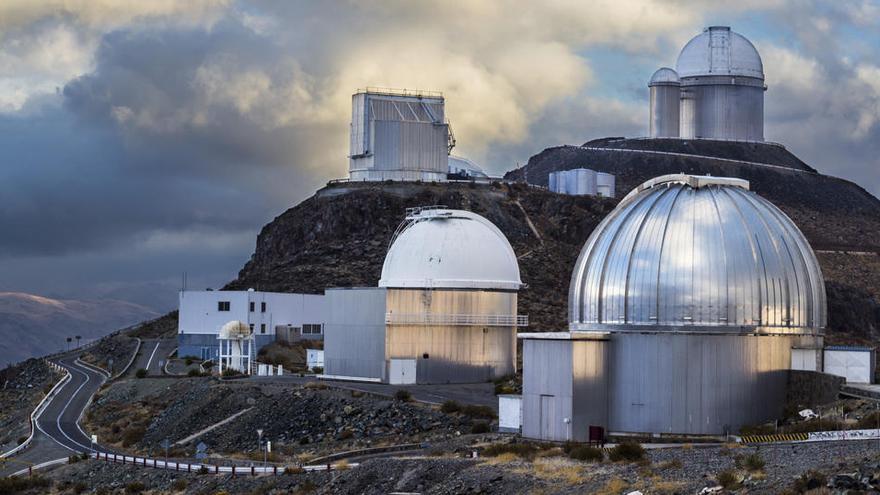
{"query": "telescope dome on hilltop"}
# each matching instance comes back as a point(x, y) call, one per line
point(664, 75)
point(442, 248)
point(684, 251)
point(718, 51)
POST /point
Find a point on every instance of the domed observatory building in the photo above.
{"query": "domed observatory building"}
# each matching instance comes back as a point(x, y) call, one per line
point(722, 87)
point(684, 307)
point(445, 310)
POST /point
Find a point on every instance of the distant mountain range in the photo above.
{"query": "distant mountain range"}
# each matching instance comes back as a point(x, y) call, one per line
point(32, 325)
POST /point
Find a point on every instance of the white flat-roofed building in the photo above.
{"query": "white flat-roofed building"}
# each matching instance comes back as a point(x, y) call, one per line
point(202, 313)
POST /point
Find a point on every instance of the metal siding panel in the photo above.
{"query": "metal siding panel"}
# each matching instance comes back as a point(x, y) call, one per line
point(547, 371)
point(354, 335)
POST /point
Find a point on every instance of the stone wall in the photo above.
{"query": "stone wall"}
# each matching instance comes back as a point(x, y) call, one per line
point(811, 388)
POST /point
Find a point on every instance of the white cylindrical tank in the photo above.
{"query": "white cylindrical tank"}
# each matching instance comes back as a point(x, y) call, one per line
point(605, 185)
point(552, 182)
point(665, 93)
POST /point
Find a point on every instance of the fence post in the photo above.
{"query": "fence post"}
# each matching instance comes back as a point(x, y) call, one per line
point(253, 471)
point(216, 469)
point(233, 470)
point(275, 470)
point(177, 466)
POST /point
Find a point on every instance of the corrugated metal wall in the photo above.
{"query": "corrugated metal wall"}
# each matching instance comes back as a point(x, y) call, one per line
point(547, 388)
point(696, 384)
point(715, 108)
point(455, 354)
point(354, 335)
point(665, 110)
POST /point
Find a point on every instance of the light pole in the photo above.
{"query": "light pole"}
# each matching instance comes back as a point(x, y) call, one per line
point(77, 340)
point(259, 440)
point(69, 340)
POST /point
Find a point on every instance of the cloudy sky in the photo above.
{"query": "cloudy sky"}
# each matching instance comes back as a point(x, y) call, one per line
point(139, 140)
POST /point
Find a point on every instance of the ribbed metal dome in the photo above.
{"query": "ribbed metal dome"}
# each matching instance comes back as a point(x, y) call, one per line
point(664, 75)
point(718, 51)
point(683, 252)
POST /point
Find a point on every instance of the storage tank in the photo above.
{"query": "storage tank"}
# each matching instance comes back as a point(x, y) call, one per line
point(665, 95)
point(399, 135)
point(722, 84)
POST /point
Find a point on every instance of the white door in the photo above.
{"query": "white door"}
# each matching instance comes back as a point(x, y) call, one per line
point(854, 366)
point(402, 371)
point(547, 418)
point(804, 359)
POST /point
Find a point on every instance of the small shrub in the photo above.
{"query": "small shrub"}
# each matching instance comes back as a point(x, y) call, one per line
point(402, 395)
point(671, 464)
point(179, 485)
point(483, 412)
point(627, 451)
point(133, 435)
point(450, 407)
point(480, 427)
point(345, 435)
point(764, 429)
point(194, 372)
point(315, 386)
point(357, 394)
point(73, 459)
point(188, 361)
point(79, 487)
point(524, 450)
point(203, 470)
point(318, 370)
point(728, 479)
point(230, 372)
point(503, 388)
point(141, 373)
point(810, 480)
point(294, 470)
point(586, 453)
point(753, 462)
point(21, 440)
point(869, 421)
point(102, 490)
point(135, 487)
point(342, 465)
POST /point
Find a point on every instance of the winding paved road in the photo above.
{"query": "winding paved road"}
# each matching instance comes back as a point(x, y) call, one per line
point(58, 433)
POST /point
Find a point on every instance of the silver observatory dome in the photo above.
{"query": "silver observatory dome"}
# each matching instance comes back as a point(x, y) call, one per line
point(684, 252)
point(718, 51)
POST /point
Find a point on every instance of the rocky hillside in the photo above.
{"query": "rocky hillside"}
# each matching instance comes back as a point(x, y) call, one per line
point(34, 325)
point(339, 236)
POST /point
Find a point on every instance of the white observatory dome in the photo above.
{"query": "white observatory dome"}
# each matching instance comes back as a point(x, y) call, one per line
point(442, 248)
point(718, 51)
point(688, 251)
point(235, 330)
point(664, 75)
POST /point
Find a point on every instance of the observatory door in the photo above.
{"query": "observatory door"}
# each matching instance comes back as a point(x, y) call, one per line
point(402, 371)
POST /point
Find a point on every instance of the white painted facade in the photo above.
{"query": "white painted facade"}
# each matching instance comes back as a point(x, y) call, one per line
point(202, 313)
point(856, 364)
point(314, 358)
point(509, 413)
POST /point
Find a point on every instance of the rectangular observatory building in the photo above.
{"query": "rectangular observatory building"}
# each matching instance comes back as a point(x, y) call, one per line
point(202, 313)
point(399, 135)
point(406, 336)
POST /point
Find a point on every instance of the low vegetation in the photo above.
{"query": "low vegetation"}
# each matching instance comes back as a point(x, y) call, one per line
point(628, 452)
point(480, 427)
point(402, 395)
point(21, 484)
point(140, 373)
point(586, 453)
point(728, 479)
point(522, 450)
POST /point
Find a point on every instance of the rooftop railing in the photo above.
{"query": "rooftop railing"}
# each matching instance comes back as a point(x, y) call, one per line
point(456, 319)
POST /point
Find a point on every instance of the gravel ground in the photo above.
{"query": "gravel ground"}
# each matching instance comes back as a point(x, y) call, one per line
point(297, 419)
point(849, 467)
point(21, 387)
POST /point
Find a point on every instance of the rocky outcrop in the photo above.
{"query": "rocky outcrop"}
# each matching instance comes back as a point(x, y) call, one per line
point(338, 238)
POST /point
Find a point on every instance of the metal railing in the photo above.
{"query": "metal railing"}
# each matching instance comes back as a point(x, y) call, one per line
point(456, 319)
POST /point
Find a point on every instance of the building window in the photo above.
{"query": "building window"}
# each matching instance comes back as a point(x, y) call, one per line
point(262, 328)
point(252, 327)
point(252, 306)
point(262, 307)
point(222, 305)
point(312, 329)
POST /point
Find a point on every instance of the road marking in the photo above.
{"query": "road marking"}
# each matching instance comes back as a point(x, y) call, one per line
point(64, 409)
point(153, 354)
